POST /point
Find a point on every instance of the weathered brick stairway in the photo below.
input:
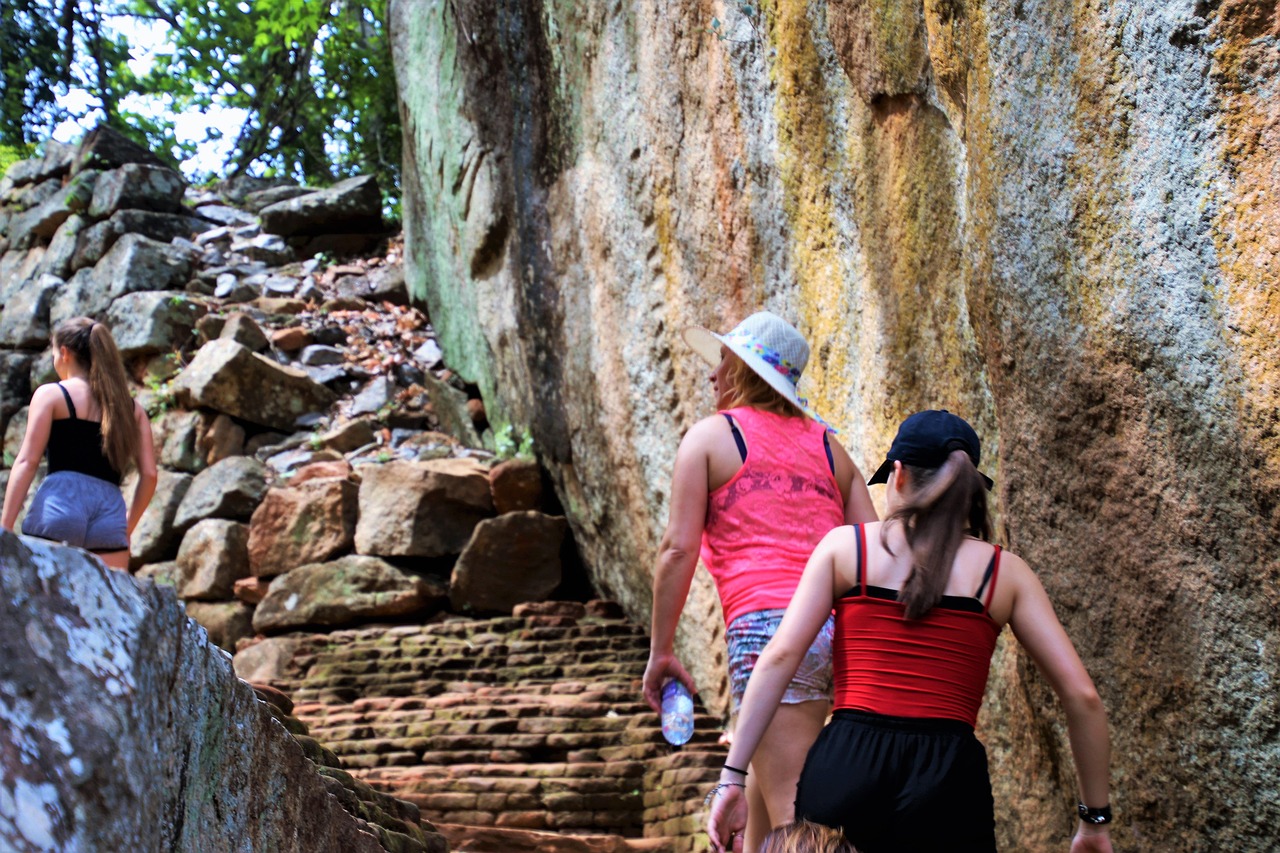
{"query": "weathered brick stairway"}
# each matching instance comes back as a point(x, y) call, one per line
point(511, 734)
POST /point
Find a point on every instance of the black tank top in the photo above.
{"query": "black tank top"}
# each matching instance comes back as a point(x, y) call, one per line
point(76, 445)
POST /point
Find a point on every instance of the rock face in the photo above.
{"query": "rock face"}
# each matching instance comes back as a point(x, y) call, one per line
point(1059, 225)
point(120, 725)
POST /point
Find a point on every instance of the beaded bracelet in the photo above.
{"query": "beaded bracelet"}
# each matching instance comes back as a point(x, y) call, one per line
point(711, 795)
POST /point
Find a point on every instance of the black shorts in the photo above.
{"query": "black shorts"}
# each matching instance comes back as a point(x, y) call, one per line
point(900, 785)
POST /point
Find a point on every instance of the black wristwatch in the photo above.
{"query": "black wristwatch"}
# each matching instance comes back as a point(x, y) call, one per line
point(1097, 817)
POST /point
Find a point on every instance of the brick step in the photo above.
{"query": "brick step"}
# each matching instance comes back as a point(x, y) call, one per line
point(492, 839)
point(432, 647)
point(303, 692)
point(631, 661)
point(445, 711)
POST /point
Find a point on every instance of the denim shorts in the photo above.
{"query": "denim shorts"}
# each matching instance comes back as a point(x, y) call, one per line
point(80, 510)
point(750, 633)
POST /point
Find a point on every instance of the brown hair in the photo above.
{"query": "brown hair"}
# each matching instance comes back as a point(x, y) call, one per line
point(748, 388)
point(943, 505)
point(803, 836)
point(93, 347)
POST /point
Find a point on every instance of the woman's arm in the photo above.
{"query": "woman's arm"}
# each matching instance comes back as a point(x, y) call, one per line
point(34, 441)
point(1037, 628)
point(677, 561)
point(146, 488)
point(776, 666)
point(858, 508)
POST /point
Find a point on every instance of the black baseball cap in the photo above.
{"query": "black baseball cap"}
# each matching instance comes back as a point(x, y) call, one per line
point(926, 439)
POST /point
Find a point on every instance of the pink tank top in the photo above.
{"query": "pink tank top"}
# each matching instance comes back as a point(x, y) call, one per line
point(764, 523)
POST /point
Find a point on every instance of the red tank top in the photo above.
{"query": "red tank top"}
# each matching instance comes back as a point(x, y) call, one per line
point(934, 667)
point(764, 523)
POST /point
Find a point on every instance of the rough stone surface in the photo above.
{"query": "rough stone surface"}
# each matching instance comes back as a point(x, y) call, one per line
point(347, 591)
point(352, 205)
point(213, 556)
point(24, 320)
point(516, 485)
point(149, 322)
point(227, 622)
point(421, 509)
point(139, 187)
point(307, 522)
point(1060, 225)
point(157, 537)
point(231, 378)
point(120, 725)
point(229, 489)
point(510, 559)
point(42, 220)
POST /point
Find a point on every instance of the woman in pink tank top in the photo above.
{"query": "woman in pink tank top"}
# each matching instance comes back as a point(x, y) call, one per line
point(755, 488)
point(920, 600)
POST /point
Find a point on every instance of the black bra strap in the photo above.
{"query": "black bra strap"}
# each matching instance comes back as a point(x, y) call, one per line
point(986, 576)
point(70, 405)
point(826, 445)
point(737, 437)
point(860, 579)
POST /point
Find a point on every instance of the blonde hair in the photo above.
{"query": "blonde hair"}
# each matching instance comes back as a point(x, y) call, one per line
point(748, 388)
point(92, 346)
point(804, 836)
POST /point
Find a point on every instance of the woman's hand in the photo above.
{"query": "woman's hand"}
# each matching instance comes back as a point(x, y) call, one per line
point(728, 815)
point(659, 669)
point(1091, 839)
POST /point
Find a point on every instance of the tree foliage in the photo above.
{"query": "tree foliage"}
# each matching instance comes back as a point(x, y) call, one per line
point(314, 79)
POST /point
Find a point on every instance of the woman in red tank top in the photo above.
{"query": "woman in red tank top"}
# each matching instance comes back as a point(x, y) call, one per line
point(920, 599)
point(755, 488)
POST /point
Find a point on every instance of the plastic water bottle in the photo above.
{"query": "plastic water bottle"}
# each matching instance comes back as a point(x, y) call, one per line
point(677, 713)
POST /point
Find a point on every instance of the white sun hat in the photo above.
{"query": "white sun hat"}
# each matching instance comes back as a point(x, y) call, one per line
point(768, 344)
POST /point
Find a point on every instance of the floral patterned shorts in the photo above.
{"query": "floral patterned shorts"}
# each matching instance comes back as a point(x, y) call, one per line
point(750, 633)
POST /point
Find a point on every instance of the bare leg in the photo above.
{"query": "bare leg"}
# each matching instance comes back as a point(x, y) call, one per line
point(114, 559)
point(777, 764)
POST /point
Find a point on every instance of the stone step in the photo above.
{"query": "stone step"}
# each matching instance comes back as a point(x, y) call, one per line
point(492, 839)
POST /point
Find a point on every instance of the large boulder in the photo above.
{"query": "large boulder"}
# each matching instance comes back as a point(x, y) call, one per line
point(347, 591)
point(230, 378)
point(156, 537)
point(104, 147)
point(54, 163)
point(421, 509)
point(304, 523)
point(137, 186)
point(352, 205)
point(93, 243)
point(24, 320)
point(59, 258)
point(121, 725)
point(230, 489)
point(15, 382)
point(149, 322)
point(134, 264)
point(214, 555)
point(510, 559)
point(42, 220)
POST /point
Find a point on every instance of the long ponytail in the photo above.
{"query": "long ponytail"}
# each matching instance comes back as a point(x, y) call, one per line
point(945, 504)
point(95, 349)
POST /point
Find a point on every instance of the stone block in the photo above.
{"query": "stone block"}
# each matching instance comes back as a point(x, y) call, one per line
point(156, 538)
point(41, 221)
point(229, 378)
point(137, 186)
point(352, 205)
point(510, 559)
point(226, 622)
point(213, 556)
point(347, 591)
point(244, 330)
point(300, 524)
point(421, 509)
point(516, 485)
point(230, 489)
point(25, 318)
point(150, 322)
